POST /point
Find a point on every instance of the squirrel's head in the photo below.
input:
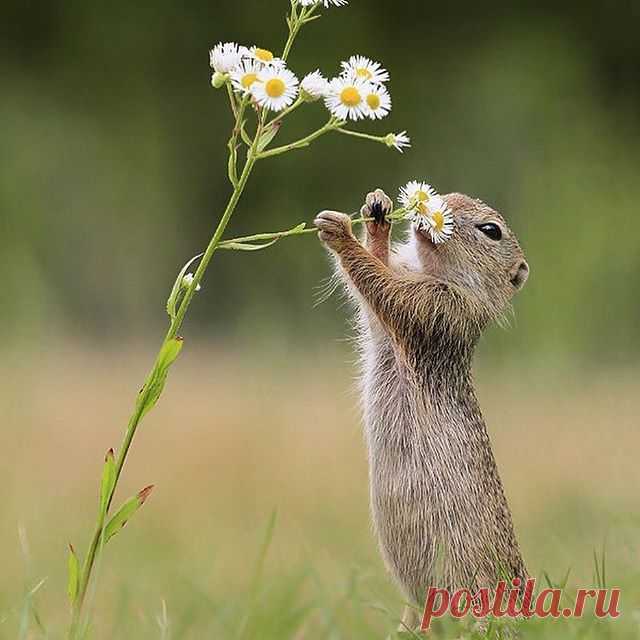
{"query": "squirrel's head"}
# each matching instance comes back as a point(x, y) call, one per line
point(482, 256)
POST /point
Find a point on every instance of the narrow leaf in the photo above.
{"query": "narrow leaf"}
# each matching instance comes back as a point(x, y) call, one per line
point(124, 513)
point(267, 137)
point(158, 377)
point(108, 481)
point(169, 352)
point(246, 246)
point(73, 580)
point(172, 301)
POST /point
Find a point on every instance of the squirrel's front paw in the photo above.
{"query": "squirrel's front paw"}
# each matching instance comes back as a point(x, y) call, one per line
point(378, 205)
point(335, 229)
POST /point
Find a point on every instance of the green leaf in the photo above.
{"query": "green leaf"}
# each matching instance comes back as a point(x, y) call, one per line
point(246, 246)
point(268, 135)
point(73, 581)
point(231, 167)
point(124, 513)
point(172, 301)
point(108, 481)
point(158, 377)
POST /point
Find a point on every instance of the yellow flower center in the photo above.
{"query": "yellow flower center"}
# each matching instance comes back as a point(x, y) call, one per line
point(275, 88)
point(373, 100)
point(350, 97)
point(422, 208)
point(264, 55)
point(422, 196)
point(248, 79)
point(438, 220)
point(363, 72)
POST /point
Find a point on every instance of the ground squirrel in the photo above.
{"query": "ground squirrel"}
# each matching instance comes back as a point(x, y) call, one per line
point(437, 501)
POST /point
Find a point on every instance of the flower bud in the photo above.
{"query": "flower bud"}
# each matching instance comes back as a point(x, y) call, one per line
point(218, 80)
point(398, 141)
point(188, 280)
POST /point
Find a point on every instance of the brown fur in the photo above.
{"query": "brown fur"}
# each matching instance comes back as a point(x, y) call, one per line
point(438, 505)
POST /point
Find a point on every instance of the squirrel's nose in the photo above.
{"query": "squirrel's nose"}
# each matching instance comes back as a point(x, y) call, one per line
point(520, 274)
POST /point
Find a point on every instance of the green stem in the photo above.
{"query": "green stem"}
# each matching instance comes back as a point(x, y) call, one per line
point(295, 24)
point(239, 184)
point(240, 122)
point(331, 125)
point(232, 100)
point(358, 134)
point(394, 217)
point(287, 111)
point(238, 129)
point(176, 324)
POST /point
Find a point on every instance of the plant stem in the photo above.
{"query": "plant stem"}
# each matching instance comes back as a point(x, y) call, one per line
point(239, 183)
point(295, 24)
point(331, 125)
point(358, 134)
point(172, 333)
point(393, 217)
point(232, 100)
point(286, 112)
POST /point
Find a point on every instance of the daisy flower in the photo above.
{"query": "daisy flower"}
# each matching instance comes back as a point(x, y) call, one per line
point(277, 89)
point(398, 141)
point(264, 56)
point(244, 75)
point(364, 69)
point(315, 86)
point(346, 98)
point(225, 56)
point(416, 195)
point(325, 3)
point(378, 101)
point(440, 220)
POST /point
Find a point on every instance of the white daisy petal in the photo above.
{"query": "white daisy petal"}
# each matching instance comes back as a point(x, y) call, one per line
point(264, 57)
point(378, 101)
point(364, 69)
point(440, 219)
point(244, 75)
point(276, 88)
point(314, 86)
point(415, 195)
point(225, 56)
point(427, 210)
point(346, 98)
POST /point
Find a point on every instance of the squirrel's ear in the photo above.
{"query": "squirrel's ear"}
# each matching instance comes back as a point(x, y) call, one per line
point(519, 274)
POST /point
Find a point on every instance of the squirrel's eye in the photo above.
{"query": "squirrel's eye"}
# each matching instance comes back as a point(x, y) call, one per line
point(491, 230)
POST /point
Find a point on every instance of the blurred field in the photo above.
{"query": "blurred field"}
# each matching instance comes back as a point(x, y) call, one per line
point(238, 435)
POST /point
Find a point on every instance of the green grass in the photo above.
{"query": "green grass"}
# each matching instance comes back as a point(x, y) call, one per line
point(207, 558)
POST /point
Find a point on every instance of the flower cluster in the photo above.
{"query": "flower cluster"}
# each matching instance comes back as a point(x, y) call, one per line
point(427, 210)
point(358, 92)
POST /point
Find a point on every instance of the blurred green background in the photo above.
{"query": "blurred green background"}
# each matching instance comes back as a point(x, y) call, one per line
point(113, 174)
point(113, 161)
